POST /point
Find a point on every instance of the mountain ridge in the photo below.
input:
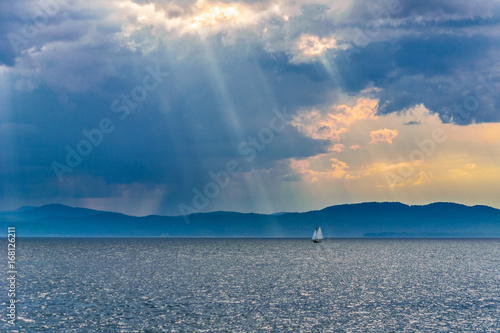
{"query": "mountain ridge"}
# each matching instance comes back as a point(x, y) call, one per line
point(368, 219)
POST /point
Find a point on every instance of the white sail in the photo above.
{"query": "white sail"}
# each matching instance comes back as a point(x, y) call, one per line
point(319, 234)
point(314, 235)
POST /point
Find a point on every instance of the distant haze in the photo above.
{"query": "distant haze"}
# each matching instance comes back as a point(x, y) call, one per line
point(393, 220)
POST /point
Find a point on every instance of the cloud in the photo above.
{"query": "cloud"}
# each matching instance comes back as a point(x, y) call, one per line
point(337, 148)
point(336, 120)
point(465, 171)
point(422, 69)
point(423, 178)
point(200, 18)
point(318, 168)
point(318, 126)
point(308, 47)
point(365, 108)
point(383, 135)
point(216, 14)
point(338, 168)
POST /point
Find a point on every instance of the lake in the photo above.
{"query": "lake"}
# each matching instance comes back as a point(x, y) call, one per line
point(255, 285)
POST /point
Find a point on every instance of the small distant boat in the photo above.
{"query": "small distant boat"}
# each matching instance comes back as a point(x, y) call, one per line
point(318, 235)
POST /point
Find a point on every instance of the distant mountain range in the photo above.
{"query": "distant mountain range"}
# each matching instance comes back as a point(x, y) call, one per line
point(386, 219)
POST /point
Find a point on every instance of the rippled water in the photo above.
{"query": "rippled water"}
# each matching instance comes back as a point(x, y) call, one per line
point(231, 285)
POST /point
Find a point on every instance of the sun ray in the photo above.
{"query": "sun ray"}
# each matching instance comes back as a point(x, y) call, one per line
point(228, 107)
point(8, 152)
point(5, 91)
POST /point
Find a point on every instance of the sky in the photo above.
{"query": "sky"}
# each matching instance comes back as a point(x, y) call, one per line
point(177, 107)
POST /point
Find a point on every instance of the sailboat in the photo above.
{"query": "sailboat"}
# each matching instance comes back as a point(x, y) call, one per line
point(318, 235)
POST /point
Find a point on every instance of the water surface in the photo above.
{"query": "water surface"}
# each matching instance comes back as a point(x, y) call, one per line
point(229, 285)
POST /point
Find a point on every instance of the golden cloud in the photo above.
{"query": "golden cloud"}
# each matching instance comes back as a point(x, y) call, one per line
point(336, 121)
point(337, 148)
point(365, 108)
point(465, 171)
point(423, 177)
point(383, 135)
point(303, 167)
point(338, 168)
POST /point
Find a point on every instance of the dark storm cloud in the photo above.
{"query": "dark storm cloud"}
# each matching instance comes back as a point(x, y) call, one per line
point(426, 10)
point(176, 137)
point(437, 71)
point(437, 53)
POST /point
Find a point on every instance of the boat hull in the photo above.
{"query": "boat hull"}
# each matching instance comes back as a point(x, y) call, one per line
point(317, 240)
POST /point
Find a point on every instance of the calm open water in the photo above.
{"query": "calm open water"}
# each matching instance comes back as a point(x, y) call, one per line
point(249, 285)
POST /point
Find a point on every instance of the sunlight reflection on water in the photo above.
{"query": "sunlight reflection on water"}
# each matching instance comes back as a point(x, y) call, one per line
point(225, 285)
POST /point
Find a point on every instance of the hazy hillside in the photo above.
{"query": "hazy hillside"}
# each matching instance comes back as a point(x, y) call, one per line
point(356, 220)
